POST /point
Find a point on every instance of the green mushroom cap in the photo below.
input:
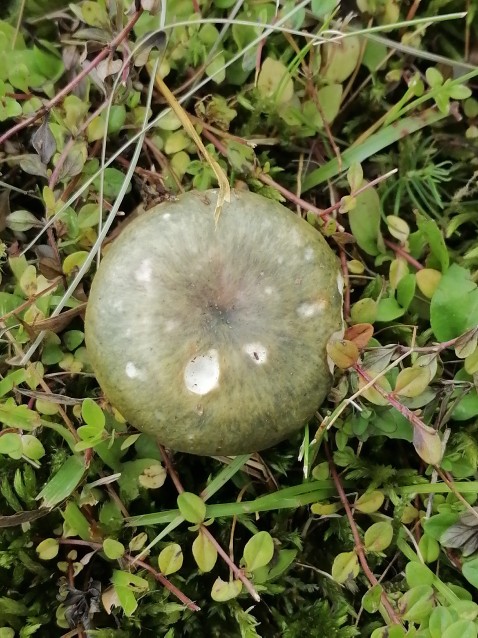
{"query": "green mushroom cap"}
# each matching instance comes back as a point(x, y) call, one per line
point(213, 338)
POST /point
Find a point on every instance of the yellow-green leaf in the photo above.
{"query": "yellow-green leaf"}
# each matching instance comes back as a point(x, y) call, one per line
point(467, 343)
point(398, 228)
point(48, 549)
point(258, 551)
point(372, 394)
point(411, 382)
point(152, 476)
point(370, 502)
point(222, 591)
point(170, 560)
point(204, 552)
point(428, 280)
point(428, 444)
point(192, 508)
point(324, 509)
point(74, 261)
point(113, 548)
point(343, 353)
point(274, 81)
point(345, 567)
point(471, 362)
point(378, 536)
point(398, 270)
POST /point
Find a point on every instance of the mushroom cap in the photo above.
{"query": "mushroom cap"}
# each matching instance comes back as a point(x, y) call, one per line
point(213, 339)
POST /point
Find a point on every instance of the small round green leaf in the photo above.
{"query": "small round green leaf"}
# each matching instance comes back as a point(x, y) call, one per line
point(429, 548)
point(11, 444)
point(92, 414)
point(32, 447)
point(112, 548)
point(170, 560)
point(378, 536)
point(470, 571)
point(192, 508)
point(418, 574)
point(440, 620)
point(222, 591)
point(345, 566)
point(416, 604)
point(48, 549)
point(461, 629)
point(258, 551)
point(370, 502)
point(204, 552)
point(371, 600)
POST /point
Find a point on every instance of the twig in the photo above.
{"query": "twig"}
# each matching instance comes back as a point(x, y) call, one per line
point(359, 548)
point(362, 189)
point(406, 412)
point(104, 53)
point(173, 475)
point(134, 561)
point(266, 179)
point(165, 582)
point(403, 253)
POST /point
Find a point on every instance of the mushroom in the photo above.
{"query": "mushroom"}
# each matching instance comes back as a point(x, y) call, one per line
point(213, 338)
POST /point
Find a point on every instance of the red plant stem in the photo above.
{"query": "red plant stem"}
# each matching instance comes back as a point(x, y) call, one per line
point(171, 471)
point(165, 582)
point(76, 80)
point(266, 179)
point(295, 199)
point(406, 412)
point(403, 253)
point(359, 548)
point(134, 561)
point(238, 573)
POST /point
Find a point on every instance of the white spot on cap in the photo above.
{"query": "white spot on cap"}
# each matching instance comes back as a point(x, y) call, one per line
point(144, 272)
point(170, 325)
point(340, 283)
point(308, 310)
point(309, 254)
point(201, 374)
point(257, 352)
point(166, 215)
point(132, 371)
point(268, 290)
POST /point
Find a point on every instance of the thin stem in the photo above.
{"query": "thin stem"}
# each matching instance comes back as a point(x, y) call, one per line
point(134, 561)
point(238, 573)
point(359, 548)
point(403, 253)
point(266, 179)
point(165, 582)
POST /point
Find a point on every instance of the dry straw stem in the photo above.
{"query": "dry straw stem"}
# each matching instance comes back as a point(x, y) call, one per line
point(224, 188)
